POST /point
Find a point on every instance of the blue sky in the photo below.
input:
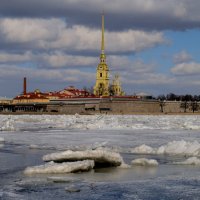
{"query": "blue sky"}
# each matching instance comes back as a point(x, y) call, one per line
point(152, 44)
point(178, 41)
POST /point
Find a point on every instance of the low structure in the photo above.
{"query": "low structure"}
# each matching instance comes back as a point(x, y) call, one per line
point(45, 97)
point(31, 97)
point(5, 100)
point(102, 86)
point(101, 105)
point(116, 87)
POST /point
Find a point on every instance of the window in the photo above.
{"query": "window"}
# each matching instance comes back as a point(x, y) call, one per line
point(100, 74)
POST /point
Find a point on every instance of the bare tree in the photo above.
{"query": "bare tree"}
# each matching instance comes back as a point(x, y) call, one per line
point(184, 105)
point(194, 106)
point(162, 104)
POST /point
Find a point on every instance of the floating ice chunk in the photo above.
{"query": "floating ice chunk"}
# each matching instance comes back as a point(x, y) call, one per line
point(1, 142)
point(99, 145)
point(77, 115)
point(172, 148)
point(8, 125)
point(55, 168)
point(58, 179)
point(190, 161)
point(124, 166)
point(144, 162)
point(72, 189)
point(143, 149)
point(102, 158)
point(180, 148)
point(41, 147)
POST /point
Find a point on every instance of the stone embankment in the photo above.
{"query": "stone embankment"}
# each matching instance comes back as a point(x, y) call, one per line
point(108, 106)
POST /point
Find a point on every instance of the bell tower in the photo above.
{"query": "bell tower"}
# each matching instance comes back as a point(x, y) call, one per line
point(101, 87)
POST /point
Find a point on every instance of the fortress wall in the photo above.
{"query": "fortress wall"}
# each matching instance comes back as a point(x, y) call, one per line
point(172, 107)
point(178, 107)
point(122, 107)
point(128, 107)
point(67, 109)
point(107, 106)
point(147, 107)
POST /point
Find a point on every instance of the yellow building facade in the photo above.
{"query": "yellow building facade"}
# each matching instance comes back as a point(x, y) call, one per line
point(116, 86)
point(101, 87)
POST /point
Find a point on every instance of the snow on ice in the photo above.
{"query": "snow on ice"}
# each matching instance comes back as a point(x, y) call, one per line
point(7, 125)
point(1, 140)
point(144, 162)
point(172, 148)
point(58, 179)
point(55, 168)
point(95, 122)
point(143, 149)
point(100, 157)
point(190, 161)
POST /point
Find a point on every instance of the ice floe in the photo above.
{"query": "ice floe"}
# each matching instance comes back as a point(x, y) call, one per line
point(143, 149)
point(172, 148)
point(1, 140)
point(58, 179)
point(57, 168)
point(144, 162)
point(190, 161)
point(100, 157)
point(99, 122)
point(72, 189)
point(8, 125)
point(41, 147)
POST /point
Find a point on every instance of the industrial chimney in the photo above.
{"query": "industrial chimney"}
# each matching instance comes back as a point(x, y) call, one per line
point(24, 86)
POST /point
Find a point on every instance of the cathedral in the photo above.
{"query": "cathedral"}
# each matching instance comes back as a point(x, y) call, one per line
point(102, 86)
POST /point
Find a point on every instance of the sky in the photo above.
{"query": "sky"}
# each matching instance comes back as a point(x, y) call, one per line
point(154, 45)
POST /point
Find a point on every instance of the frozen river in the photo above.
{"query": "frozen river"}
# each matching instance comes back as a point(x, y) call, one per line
point(172, 141)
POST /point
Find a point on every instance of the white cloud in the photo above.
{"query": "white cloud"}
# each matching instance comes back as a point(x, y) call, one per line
point(182, 57)
point(30, 30)
point(182, 10)
point(191, 68)
point(133, 41)
point(149, 79)
point(53, 33)
point(15, 57)
point(59, 59)
point(54, 59)
point(67, 75)
point(127, 65)
point(157, 14)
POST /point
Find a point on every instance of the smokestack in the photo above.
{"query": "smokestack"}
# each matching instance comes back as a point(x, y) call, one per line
point(24, 86)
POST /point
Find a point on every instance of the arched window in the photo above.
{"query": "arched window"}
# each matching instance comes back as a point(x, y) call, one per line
point(100, 74)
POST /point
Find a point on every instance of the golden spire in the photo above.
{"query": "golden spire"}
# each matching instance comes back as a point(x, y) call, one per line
point(102, 39)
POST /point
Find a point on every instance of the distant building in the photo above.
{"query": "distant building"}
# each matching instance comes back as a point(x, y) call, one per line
point(44, 97)
point(116, 86)
point(144, 95)
point(71, 91)
point(4, 100)
point(31, 97)
point(102, 86)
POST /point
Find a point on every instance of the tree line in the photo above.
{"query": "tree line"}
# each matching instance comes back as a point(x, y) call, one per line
point(174, 97)
point(187, 102)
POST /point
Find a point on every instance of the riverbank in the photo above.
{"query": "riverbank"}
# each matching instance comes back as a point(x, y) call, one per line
point(105, 106)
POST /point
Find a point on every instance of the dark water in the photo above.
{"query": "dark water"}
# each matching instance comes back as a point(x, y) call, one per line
point(166, 182)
